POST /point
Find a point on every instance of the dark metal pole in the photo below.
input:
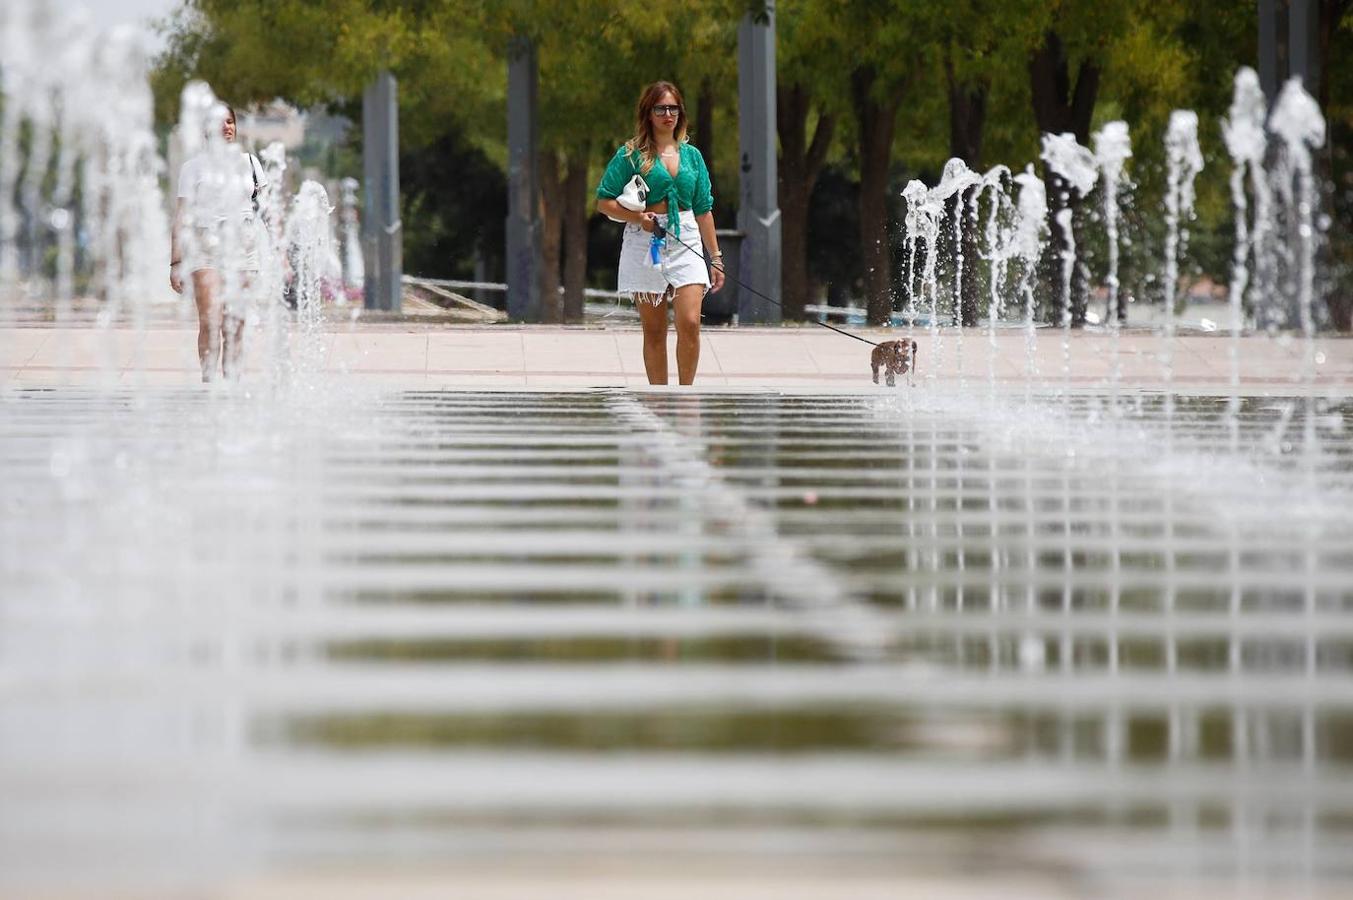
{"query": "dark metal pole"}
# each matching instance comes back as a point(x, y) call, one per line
point(1289, 45)
point(382, 228)
point(758, 212)
point(524, 261)
point(1303, 37)
point(1271, 72)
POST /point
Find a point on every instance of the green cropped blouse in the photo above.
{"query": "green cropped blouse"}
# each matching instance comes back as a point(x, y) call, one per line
point(690, 189)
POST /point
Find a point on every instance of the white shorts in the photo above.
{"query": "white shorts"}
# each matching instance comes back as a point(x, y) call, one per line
point(217, 247)
point(678, 265)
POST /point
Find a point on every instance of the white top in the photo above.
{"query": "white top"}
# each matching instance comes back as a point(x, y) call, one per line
point(219, 184)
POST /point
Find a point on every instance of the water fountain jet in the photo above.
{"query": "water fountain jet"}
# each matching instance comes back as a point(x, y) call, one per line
point(1247, 143)
point(1183, 160)
point(1076, 165)
point(955, 182)
point(1113, 148)
point(1028, 235)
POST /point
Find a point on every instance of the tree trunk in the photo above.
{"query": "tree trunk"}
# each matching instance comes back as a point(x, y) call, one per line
point(551, 223)
point(703, 138)
point(800, 164)
point(875, 121)
point(1060, 107)
point(1057, 107)
point(967, 117)
point(1339, 298)
point(575, 235)
point(1331, 13)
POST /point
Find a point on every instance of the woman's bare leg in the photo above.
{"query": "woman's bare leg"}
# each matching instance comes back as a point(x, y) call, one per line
point(686, 307)
point(232, 333)
point(207, 293)
point(232, 345)
point(654, 319)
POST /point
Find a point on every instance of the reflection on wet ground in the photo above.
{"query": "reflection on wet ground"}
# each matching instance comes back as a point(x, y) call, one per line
point(244, 635)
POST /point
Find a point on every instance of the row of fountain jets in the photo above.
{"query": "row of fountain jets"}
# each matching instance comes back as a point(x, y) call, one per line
point(82, 211)
point(1272, 273)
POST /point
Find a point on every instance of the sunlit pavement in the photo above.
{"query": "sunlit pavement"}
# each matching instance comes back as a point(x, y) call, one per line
point(416, 356)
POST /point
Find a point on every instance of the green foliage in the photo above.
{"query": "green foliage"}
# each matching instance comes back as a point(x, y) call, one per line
point(324, 52)
point(594, 56)
point(455, 199)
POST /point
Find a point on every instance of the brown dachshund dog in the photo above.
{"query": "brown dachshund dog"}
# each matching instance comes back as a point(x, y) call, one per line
point(895, 358)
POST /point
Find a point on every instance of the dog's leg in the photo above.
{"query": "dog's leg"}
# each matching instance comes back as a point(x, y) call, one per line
point(892, 381)
point(876, 373)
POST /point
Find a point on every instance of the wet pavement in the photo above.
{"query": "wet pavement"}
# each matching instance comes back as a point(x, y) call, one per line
point(887, 639)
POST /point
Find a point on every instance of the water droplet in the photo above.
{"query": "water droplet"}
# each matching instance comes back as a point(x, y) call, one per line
point(1031, 653)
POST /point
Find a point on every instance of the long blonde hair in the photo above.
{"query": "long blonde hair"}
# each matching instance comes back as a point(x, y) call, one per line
point(644, 142)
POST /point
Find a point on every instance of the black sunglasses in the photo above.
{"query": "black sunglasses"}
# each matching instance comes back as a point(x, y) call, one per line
point(667, 110)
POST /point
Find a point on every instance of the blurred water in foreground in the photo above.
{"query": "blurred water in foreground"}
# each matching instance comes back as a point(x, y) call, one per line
point(241, 638)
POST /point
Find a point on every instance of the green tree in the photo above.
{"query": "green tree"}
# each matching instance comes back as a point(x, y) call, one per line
point(877, 39)
point(593, 56)
point(325, 52)
point(806, 57)
point(968, 41)
point(868, 90)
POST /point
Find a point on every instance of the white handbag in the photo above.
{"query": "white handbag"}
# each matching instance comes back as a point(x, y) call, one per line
point(634, 197)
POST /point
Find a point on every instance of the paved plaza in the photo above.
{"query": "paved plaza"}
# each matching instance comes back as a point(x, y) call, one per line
point(419, 356)
point(780, 636)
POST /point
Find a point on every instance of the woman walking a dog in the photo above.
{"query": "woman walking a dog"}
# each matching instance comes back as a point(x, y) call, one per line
point(668, 225)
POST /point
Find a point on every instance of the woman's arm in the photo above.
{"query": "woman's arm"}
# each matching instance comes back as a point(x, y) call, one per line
point(711, 242)
point(175, 251)
point(614, 210)
point(618, 173)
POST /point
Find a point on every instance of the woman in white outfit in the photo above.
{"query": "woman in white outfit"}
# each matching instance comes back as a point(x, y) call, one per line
point(216, 238)
point(680, 200)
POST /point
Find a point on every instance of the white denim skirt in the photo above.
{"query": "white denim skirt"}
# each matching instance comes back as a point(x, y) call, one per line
point(221, 246)
point(677, 265)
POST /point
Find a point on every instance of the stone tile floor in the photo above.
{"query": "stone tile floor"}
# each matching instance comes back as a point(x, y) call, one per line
point(416, 356)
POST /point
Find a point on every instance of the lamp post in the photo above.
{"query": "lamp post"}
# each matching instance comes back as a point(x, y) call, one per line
point(382, 228)
point(524, 261)
point(758, 212)
point(1289, 45)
